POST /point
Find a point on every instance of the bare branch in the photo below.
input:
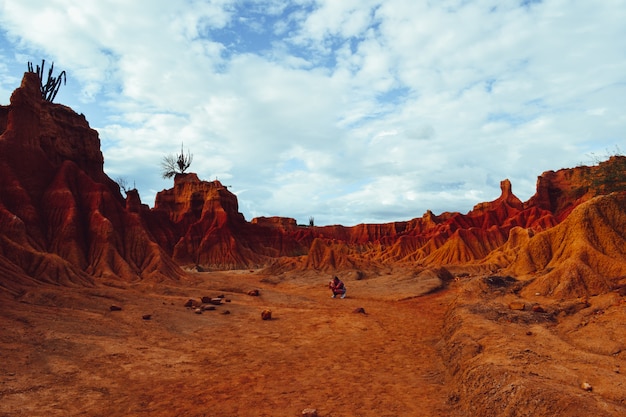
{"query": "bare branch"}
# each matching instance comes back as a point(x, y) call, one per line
point(176, 164)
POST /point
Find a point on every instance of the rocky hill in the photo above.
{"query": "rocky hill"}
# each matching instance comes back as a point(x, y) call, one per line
point(64, 221)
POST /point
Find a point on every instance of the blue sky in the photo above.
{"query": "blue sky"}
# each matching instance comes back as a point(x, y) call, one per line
point(352, 111)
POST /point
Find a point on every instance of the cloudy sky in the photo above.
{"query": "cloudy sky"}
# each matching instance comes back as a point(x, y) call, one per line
point(347, 111)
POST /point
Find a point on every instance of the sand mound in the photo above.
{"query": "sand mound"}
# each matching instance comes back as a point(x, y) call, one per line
point(584, 255)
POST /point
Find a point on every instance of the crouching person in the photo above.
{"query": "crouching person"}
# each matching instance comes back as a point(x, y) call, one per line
point(337, 287)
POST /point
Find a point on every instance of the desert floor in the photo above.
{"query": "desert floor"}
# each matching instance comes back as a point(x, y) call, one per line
point(376, 353)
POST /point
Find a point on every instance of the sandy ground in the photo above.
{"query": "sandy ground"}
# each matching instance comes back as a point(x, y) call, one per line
point(388, 349)
point(65, 353)
point(556, 357)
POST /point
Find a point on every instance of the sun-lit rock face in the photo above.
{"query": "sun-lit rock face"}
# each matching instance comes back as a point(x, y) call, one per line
point(583, 255)
point(504, 233)
point(450, 238)
point(205, 217)
point(561, 191)
point(63, 220)
point(206, 228)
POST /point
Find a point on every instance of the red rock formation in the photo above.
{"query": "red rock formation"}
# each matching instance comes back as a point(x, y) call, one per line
point(209, 230)
point(561, 191)
point(584, 255)
point(62, 220)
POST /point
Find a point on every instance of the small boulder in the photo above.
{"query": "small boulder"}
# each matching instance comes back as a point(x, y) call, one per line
point(254, 293)
point(517, 305)
point(146, 316)
point(360, 310)
point(499, 282)
point(266, 314)
point(198, 311)
point(575, 306)
point(191, 303)
point(205, 307)
point(309, 412)
point(115, 308)
point(205, 299)
point(215, 301)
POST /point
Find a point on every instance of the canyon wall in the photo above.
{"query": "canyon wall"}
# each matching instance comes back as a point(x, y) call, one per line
point(64, 221)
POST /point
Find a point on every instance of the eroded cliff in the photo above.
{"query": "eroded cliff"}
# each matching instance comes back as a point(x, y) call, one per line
point(63, 220)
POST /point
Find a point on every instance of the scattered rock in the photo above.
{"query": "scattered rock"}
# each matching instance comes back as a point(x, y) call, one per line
point(115, 308)
point(206, 299)
point(355, 275)
point(266, 314)
point(575, 306)
point(226, 312)
point(499, 282)
point(621, 289)
point(517, 305)
point(205, 307)
point(198, 311)
point(453, 398)
point(529, 333)
point(191, 303)
point(146, 316)
point(359, 310)
point(309, 412)
point(538, 309)
point(586, 386)
point(254, 293)
point(215, 301)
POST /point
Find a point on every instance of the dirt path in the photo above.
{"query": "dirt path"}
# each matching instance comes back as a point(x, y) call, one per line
point(69, 355)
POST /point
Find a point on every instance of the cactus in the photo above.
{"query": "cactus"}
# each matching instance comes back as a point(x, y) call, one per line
point(50, 89)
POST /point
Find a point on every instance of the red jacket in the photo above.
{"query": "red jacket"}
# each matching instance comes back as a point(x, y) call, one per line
point(337, 286)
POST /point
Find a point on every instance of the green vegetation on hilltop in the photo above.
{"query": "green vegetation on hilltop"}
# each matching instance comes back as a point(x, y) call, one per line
point(50, 88)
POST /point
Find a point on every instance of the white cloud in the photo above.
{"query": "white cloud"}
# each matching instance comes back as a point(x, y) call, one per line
point(349, 111)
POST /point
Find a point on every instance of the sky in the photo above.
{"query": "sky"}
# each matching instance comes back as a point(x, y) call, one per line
point(343, 111)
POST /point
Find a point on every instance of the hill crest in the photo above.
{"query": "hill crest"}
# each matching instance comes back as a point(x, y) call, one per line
point(64, 221)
